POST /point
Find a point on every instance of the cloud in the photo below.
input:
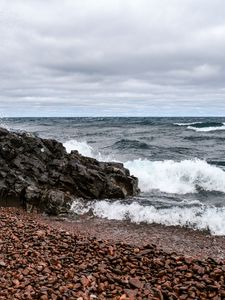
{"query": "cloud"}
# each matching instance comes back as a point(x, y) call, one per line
point(129, 57)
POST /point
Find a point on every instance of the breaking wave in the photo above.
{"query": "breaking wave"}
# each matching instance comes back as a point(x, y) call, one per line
point(82, 147)
point(202, 218)
point(207, 129)
point(85, 149)
point(168, 176)
point(187, 176)
point(203, 126)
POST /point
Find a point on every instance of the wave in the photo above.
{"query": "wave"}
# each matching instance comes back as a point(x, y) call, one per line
point(202, 218)
point(208, 124)
point(86, 150)
point(186, 176)
point(168, 176)
point(82, 147)
point(203, 126)
point(207, 129)
point(128, 144)
point(186, 124)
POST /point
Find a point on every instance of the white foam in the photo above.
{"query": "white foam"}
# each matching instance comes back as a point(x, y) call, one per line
point(201, 129)
point(167, 176)
point(177, 177)
point(186, 124)
point(202, 218)
point(207, 129)
point(82, 147)
point(86, 150)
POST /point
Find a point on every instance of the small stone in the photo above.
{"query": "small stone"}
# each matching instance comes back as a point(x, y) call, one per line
point(85, 281)
point(40, 268)
point(111, 251)
point(188, 275)
point(16, 282)
point(2, 263)
point(123, 297)
point(40, 233)
point(132, 271)
point(131, 294)
point(136, 283)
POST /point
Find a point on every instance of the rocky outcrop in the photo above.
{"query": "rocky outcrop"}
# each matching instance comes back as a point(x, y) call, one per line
point(39, 173)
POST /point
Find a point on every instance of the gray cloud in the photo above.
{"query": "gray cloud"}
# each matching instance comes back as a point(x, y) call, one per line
point(129, 57)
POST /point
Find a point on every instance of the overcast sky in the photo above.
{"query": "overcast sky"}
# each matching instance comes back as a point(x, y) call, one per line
point(112, 57)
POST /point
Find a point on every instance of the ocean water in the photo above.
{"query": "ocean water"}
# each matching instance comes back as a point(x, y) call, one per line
point(180, 164)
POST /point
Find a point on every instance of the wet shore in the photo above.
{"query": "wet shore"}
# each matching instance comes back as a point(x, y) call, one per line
point(184, 241)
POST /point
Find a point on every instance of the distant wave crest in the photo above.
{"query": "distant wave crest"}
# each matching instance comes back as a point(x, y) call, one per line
point(186, 124)
point(203, 126)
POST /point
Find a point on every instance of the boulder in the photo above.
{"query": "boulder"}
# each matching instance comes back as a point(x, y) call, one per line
point(39, 173)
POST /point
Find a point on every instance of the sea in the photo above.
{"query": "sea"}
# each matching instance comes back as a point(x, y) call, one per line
point(180, 164)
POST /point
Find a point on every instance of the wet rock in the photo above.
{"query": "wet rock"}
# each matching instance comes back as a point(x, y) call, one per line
point(39, 173)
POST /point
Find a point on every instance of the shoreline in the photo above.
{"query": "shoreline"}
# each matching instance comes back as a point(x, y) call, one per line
point(183, 241)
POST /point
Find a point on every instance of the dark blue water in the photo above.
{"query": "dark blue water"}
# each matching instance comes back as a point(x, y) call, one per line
point(180, 163)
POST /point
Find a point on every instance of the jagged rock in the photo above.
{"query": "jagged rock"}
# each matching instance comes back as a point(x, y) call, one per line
point(40, 173)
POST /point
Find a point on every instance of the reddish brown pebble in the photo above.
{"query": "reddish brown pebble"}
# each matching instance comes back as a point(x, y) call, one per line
point(136, 283)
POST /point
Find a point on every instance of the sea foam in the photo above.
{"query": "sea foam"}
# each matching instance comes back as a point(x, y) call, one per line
point(202, 218)
point(86, 150)
point(207, 129)
point(82, 147)
point(187, 176)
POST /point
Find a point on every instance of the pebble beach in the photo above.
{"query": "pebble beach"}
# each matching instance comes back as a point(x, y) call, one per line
point(44, 258)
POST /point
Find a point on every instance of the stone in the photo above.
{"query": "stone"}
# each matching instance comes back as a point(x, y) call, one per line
point(38, 174)
point(136, 283)
point(2, 263)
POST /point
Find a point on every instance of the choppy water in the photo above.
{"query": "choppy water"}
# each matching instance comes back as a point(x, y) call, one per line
point(180, 163)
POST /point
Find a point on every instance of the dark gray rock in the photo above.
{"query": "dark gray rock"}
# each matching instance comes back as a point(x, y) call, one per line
point(39, 173)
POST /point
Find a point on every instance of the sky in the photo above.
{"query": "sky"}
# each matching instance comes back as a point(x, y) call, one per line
point(112, 58)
